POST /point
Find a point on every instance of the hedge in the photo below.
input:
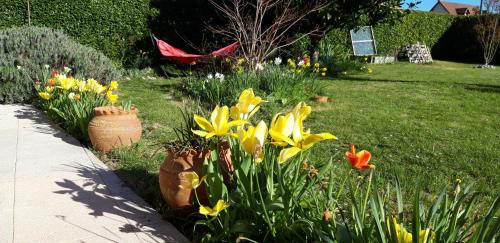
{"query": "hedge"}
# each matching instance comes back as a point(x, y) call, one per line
point(449, 37)
point(111, 26)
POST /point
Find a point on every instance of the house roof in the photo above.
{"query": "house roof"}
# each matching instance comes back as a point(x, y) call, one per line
point(458, 8)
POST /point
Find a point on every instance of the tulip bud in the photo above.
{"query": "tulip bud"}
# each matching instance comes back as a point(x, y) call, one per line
point(327, 215)
point(456, 191)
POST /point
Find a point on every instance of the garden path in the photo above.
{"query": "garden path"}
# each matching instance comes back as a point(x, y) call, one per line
point(52, 189)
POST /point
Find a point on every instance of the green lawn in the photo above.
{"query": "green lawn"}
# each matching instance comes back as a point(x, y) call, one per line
point(426, 124)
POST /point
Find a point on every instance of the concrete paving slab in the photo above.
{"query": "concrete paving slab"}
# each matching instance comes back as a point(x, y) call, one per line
point(6, 211)
point(55, 190)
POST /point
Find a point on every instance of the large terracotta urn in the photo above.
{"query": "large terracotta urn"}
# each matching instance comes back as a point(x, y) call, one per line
point(114, 127)
point(172, 175)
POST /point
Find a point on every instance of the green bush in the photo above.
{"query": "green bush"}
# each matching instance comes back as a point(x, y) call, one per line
point(111, 26)
point(25, 51)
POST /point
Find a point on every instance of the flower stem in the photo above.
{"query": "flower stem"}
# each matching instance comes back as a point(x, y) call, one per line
point(367, 193)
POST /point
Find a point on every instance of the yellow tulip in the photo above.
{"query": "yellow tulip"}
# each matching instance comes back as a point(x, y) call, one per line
point(247, 105)
point(95, 86)
point(221, 205)
point(49, 89)
point(99, 89)
point(112, 98)
point(218, 125)
point(403, 236)
point(301, 110)
point(113, 85)
point(253, 139)
point(300, 141)
point(45, 95)
point(81, 86)
point(281, 125)
point(66, 83)
point(192, 181)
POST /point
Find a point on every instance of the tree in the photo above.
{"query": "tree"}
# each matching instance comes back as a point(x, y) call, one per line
point(487, 29)
point(264, 26)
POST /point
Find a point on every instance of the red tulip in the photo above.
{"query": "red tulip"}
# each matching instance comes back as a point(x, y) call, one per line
point(359, 159)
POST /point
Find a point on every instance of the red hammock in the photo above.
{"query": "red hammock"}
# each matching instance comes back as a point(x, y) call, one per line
point(179, 55)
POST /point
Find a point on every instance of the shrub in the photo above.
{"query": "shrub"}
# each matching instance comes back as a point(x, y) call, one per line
point(25, 51)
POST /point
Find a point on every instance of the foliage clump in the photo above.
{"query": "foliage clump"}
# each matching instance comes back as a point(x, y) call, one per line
point(25, 52)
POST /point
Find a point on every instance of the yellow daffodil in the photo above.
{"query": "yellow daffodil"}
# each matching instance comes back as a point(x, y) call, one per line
point(66, 83)
point(403, 236)
point(253, 139)
point(247, 105)
point(113, 85)
point(71, 96)
point(221, 205)
point(218, 125)
point(192, 181)
point(282, 125)
point(112, 98)
point(45, 95)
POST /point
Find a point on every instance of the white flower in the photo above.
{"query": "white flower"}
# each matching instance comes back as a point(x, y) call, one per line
point(71, 95)
point(259, 67)
point(210, 76)
point(19, 67)
point(277, 61)
point(67, 69)
point(301, 63)
point(46, 66)
point(219, 76)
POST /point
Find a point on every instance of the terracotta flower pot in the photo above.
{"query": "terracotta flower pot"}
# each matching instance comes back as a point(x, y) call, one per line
point(113, 127)
point(320, 99)
point(172, 174)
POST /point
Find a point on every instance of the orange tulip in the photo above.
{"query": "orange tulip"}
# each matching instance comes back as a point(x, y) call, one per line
point(359, 159)
point(51, 82)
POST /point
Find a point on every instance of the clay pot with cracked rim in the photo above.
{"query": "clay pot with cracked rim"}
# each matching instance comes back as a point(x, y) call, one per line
point(114, 127)
point(172, 175)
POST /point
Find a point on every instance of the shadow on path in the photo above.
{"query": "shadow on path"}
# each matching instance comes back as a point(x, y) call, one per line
point(101, 202)
point(42, 125)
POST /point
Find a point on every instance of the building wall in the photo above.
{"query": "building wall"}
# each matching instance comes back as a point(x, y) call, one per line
point(439, 9)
